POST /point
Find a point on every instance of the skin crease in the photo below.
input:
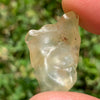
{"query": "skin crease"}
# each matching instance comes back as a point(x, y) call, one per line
point(89, 13)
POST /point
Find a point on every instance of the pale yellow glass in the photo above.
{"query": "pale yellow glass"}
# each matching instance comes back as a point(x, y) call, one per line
point(54, 53)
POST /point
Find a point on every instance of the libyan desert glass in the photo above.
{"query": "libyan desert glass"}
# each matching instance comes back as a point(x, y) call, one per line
point(54, 53)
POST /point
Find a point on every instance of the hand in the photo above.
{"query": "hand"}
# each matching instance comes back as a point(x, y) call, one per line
point(89, 13)
point(62, 96)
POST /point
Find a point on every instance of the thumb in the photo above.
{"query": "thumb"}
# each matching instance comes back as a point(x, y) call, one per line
point(62, 96)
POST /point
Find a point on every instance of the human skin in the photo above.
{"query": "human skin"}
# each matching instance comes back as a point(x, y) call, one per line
point(62, 96)
point(88, 11)
point(89, 14)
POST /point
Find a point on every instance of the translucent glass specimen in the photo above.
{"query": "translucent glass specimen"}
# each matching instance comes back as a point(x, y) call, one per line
point(54, 53)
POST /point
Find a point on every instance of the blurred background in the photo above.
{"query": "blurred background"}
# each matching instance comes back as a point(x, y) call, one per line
point(17, 81)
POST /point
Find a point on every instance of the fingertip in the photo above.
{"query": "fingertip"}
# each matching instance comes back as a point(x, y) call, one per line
point(88, 11)
point(62, 96)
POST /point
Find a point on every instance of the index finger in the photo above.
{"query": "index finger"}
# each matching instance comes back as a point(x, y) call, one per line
point(88, 11)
